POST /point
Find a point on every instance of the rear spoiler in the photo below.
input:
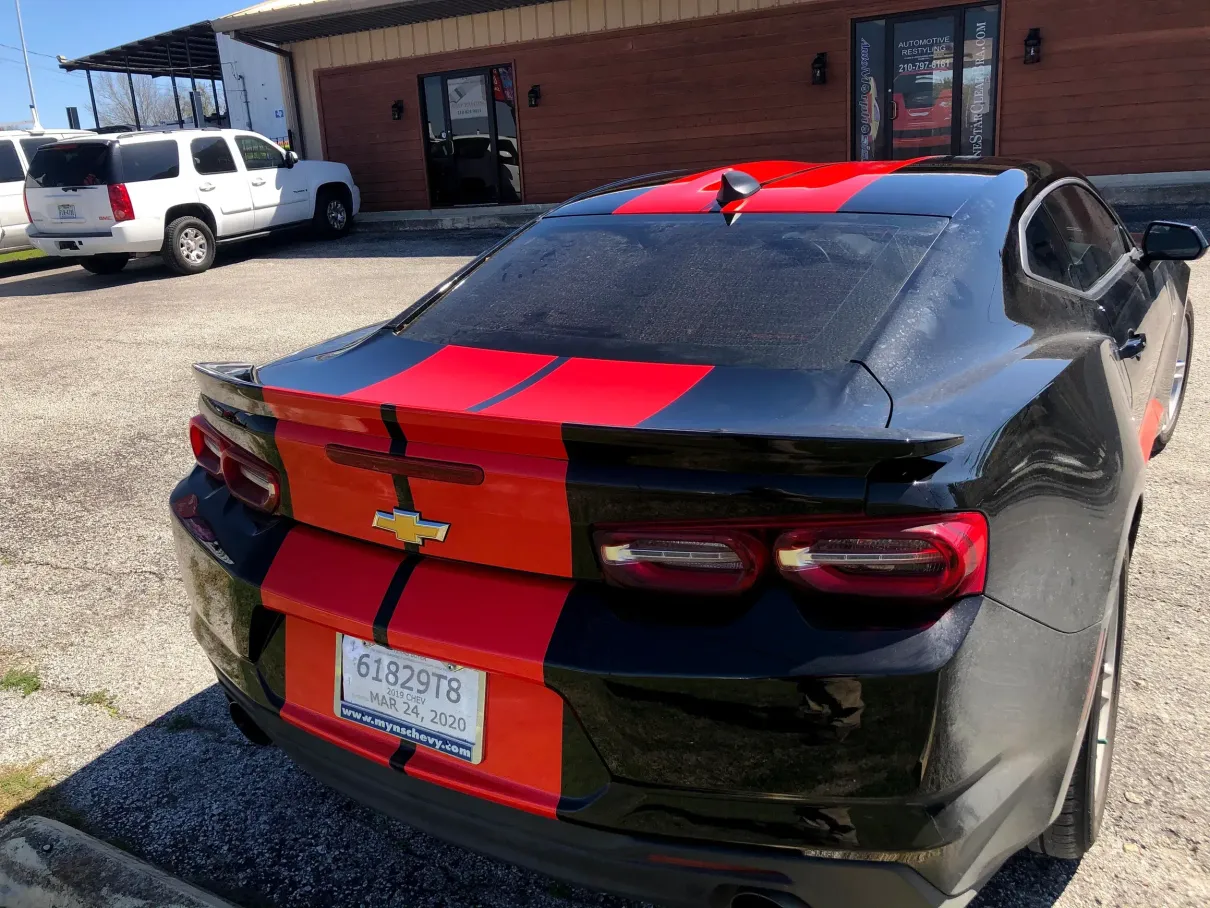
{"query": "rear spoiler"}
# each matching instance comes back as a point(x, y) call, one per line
point(843, 450)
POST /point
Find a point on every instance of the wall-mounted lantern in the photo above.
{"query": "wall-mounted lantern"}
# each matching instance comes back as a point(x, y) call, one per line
point(1033, 46)
point(535, 95)
point(819, 70)
point(397, 110)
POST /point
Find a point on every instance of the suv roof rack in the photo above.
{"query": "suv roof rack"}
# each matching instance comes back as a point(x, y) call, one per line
point(166, 131)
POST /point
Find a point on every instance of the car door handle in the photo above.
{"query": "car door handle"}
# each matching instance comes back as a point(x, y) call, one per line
point(259, 181)
point(206, 187)
point(1133, 346)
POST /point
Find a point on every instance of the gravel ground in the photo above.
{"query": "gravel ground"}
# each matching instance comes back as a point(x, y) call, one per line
point(96, 392)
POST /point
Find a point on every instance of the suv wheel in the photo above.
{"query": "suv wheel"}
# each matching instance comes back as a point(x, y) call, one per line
point(188, 245)
point(105, 264)
point(1180, 381)
point(333, 216)
point(1079, 822)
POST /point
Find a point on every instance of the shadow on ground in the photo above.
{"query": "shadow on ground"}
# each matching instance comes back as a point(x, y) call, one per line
point(189, 794)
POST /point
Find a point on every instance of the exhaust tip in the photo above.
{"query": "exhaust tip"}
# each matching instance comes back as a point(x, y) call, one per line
point(246, 725)
point(766, 898)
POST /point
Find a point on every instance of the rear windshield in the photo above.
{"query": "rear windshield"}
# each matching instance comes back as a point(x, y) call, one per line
point(775, 291)
point(71, 164)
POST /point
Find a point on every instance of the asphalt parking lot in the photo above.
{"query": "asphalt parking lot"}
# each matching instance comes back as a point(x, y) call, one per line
point(131, 736)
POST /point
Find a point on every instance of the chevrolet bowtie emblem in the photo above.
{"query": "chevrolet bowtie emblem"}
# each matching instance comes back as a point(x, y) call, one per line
point(409, 526)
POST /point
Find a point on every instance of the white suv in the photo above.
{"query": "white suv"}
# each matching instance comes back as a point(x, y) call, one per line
point(106, 198)
point(17, 147)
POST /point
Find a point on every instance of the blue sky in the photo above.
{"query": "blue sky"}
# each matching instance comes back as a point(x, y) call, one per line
point(74, 28)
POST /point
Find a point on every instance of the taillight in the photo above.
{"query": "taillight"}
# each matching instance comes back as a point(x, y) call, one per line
point(929, 559)
point(926, 559)
point(119, 201)
point(25, 198)
point(682, 561)
point(249, 478)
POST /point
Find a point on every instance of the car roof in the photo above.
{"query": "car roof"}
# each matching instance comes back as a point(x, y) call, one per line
point(936, 186)
point(35, 134)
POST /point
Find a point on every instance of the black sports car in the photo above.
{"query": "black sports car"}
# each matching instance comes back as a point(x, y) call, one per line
point(758, 535)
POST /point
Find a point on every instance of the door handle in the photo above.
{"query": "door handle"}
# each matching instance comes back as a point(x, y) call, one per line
point(1133, 346)
point(894, 110)
point(259, 181)
point(206, 187)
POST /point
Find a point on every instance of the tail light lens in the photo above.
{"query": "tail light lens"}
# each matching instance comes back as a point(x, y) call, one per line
point(249, 478)
point(25, 198)
point(931, 559)
point(682, 561)
point(119, 201)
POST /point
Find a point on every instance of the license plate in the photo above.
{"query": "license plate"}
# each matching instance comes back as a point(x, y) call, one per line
point(428, 702)
point(67, 212)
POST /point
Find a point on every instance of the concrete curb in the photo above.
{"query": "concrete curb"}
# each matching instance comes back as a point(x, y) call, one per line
point(1164, 189)
point(477, 218)
point(45, 864)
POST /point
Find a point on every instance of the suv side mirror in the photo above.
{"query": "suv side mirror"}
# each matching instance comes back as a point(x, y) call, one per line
point(1169, 241)
point(291, 158)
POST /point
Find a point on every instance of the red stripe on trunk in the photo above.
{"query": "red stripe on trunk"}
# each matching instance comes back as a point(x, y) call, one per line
point(500, 623)
point(454, 378)
point(601, 392)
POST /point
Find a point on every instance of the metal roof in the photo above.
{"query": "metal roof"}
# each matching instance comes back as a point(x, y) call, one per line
point(190, 50)
point(289, 21)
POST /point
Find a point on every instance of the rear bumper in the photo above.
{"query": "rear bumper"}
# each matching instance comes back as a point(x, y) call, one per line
point(669, 873)
point(136, 236)
point(763, 736)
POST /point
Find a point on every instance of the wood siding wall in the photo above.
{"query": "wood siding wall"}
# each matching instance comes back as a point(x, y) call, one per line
point(1118, 90)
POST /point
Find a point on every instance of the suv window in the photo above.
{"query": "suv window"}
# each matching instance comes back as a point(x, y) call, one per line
point(72, 164)
point(1095, 241)
point(212, 155)
point(1045, 249)
point(259, 154)
point(31, 146)
point(773, 291)
point(150, 161)
point(10, 164)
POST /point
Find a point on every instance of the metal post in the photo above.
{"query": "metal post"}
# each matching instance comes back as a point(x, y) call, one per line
point(176, 98)
point(217, 110)
point(189, 61)
point(96, 115)
point(133, 100)
point(29, 76)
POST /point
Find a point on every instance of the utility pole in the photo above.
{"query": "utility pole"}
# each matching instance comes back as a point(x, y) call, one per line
point(29, 76)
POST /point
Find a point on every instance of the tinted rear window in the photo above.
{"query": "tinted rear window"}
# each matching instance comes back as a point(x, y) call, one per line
point(775, 291)
point(30, 146)
point(71, 164)
point(150, 161)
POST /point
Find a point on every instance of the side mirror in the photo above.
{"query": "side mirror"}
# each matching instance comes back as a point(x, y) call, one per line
point(1169, 241)
point(291, 158)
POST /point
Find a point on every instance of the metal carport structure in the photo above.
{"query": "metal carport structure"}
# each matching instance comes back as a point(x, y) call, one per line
point(187, 52)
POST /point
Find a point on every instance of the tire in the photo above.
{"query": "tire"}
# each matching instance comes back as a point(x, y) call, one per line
point(333, 213)
point(105, 264)
point(1176, 399)
point(188, 245)
point(1079, 822)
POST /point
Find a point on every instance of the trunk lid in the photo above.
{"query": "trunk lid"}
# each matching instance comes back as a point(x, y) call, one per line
point(519, 455)
point(68, 188)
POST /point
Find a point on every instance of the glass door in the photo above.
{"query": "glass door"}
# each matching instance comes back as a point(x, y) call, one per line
point(915, 94)
point(471, 143)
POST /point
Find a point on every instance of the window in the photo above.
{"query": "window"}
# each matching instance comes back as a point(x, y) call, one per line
point(150, 161)
point(72, 164)
point(31, 146)
point(1095, 241)
point(259, 154)
point(772, 291)
point(10, 164)
point(212, 155)
point(1045, 250)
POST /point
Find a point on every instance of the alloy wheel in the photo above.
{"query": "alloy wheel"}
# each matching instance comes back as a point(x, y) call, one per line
point(1178, 375)
point(1107, 714)
point(193, 245)
point(336, 214)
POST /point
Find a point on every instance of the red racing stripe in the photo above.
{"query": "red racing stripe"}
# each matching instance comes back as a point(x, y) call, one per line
point(454, 378)
point(601, 392)
point(696, 192)
point(1150, 427)
point(500, 623)
point(821, 189)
